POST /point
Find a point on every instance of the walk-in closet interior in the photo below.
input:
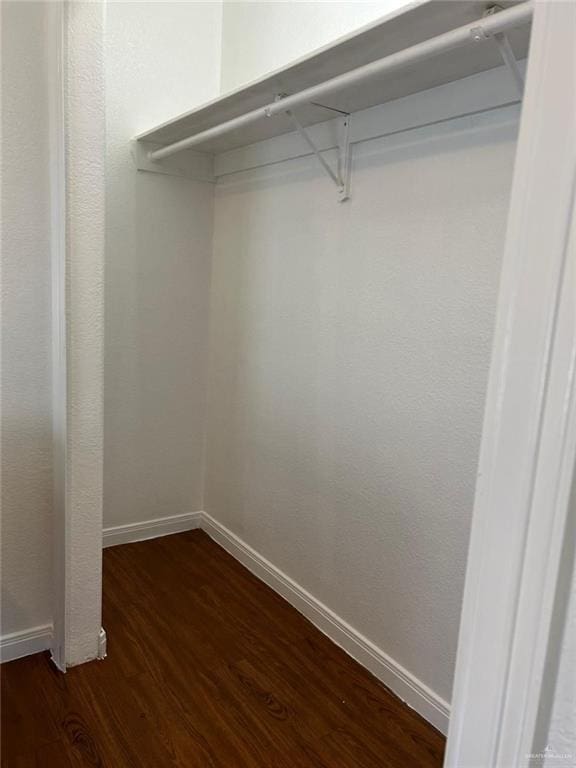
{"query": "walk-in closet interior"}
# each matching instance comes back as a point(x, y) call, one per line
point(301, 292)
point(305, 211)
point(311, 372)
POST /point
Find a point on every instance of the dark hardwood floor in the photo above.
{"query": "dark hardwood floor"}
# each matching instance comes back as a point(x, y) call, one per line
point(207, 668)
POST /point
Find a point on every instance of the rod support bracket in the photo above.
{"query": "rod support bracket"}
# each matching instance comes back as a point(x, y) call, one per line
point(344, 160)
point(479, 34)
point(196, 166)
point(510, 60)
point(341, 175)
point(268, 109)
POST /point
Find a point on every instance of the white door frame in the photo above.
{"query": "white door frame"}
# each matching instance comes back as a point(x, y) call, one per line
point(521, 543)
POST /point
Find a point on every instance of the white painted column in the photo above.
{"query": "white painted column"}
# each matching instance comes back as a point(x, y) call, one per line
point(78, 258)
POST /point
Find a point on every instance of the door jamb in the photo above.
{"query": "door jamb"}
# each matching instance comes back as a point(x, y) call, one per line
point(519, 542)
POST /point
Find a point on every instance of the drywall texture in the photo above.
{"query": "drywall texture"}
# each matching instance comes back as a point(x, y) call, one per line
point(258, 37)
point(161, 59)
point(350, 348)
point(26, 367)
point(85, 125)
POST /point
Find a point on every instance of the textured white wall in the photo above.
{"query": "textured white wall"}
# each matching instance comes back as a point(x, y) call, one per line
point(162, 58)
point(26, 372)
point(258, 37)
point(350, 347)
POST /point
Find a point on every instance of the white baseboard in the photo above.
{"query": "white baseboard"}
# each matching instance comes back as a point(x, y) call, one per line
point(407, 687)
point(150, 529)
point(18, 644)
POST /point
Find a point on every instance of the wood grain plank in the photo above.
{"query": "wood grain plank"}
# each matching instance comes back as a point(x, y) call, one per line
point(207, 668)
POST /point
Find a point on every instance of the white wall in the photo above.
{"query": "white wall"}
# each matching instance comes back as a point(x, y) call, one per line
point(258, 37)
point(26, 362)
point(350, 347)
point(162, 58)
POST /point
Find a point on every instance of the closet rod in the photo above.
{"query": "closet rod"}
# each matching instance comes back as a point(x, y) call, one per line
point(486, 27)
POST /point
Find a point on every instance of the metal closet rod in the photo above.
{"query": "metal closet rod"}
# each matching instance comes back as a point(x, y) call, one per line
point(486, 27)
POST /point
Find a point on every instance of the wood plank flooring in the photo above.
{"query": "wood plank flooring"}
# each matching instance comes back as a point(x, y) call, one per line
point(207, 668)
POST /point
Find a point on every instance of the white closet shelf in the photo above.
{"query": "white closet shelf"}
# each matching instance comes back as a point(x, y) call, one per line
point(424, 45)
